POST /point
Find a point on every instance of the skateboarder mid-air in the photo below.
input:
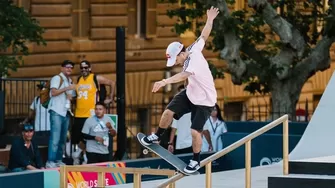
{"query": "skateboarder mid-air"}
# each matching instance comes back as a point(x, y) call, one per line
point(199, 97)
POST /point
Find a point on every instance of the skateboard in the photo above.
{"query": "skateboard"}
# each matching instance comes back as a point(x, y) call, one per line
point(167, 156)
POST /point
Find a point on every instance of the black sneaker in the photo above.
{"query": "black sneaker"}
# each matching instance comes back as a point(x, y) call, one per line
point(148, 140)
point(193, 166)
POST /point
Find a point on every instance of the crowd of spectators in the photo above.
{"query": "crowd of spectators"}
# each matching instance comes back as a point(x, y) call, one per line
point(87, 140)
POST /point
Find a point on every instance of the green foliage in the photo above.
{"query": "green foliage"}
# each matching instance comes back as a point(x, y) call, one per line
point(249, 26)
point(17, 29)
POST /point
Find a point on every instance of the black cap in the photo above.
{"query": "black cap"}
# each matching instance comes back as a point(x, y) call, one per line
point(85, 62)
point(27, 127)
point(67, 62)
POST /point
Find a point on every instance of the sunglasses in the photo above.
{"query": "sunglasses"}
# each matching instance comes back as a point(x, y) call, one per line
point(84, 68)
point(28, 128)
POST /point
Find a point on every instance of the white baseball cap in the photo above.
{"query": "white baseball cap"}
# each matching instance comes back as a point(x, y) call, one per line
point(172, 51)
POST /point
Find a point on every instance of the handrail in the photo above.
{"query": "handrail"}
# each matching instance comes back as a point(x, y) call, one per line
point(247, 141)
point(101, 170)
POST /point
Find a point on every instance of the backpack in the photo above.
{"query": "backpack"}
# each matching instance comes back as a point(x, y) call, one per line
point(102, 92)
point(45, 92)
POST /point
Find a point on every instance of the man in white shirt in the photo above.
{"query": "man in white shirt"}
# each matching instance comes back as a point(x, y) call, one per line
point(61, 93)
point(38, 113)
point(184, 138)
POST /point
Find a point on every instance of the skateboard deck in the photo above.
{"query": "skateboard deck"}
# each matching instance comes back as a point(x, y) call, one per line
point(166, 155)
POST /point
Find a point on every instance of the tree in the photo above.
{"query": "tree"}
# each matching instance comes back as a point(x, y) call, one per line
point(17, 29)
point(301, 35)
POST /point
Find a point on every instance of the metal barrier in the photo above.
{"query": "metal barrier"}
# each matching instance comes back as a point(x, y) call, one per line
point(247, 142)
point(19, 94)
point(138, 172)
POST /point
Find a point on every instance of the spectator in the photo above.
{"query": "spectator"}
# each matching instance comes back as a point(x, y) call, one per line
point(59, 109)
point(90, 89)
point(96, 131)
point(213, 130)
point(184, 138)
point(38, 113)
point(24, 153)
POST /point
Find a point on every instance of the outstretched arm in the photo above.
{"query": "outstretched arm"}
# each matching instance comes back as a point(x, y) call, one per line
point(177, 78)
point(211, 15)
point(174, 79)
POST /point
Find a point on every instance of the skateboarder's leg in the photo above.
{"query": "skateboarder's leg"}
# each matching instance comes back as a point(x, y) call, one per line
point(178, 106)
point(200, 115)
point(164, 123)
point(196, 144)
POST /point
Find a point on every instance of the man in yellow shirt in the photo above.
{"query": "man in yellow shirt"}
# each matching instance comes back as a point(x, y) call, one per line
point(90, 90)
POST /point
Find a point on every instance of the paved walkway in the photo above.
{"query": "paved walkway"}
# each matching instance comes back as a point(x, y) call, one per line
point(229, 179)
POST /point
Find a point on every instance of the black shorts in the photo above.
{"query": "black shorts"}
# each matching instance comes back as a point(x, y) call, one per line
point(96, 158)
point(76, 135)
point(181, 105)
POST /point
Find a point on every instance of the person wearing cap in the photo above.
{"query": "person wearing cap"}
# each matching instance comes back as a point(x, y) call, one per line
point(200, 95)
point(90, 89)
point(24, 153)
point(38, 113)
point(61, 91)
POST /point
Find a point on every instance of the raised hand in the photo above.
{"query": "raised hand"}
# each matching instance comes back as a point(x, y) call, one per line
point(212, 13)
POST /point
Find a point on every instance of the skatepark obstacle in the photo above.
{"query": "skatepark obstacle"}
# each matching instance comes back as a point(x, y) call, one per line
point(101, 170)
point(244, 141)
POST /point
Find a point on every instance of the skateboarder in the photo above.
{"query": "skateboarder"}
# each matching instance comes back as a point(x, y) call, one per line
point(200, 95)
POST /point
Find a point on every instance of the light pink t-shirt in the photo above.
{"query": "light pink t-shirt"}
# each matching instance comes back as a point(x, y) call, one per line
point(200, 89)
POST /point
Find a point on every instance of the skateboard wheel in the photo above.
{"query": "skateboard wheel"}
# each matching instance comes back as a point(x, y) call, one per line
point(145, 151)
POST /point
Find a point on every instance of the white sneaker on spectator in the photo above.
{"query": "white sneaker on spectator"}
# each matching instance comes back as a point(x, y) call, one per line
point(60, 163)
point(50, 164)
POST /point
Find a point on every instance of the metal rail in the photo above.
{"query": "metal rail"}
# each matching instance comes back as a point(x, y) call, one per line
point(247, 142)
